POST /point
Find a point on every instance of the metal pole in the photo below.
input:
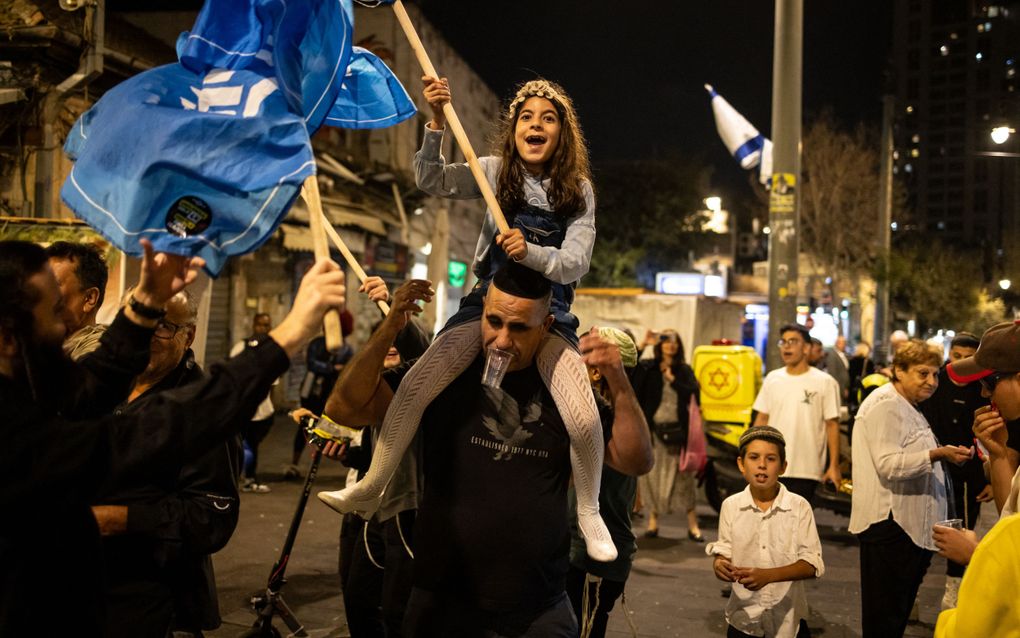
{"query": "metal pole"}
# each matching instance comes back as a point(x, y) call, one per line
point(783, 197)
point(881, 335)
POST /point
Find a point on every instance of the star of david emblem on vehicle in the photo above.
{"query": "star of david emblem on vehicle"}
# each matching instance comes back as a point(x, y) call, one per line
point(719, 379)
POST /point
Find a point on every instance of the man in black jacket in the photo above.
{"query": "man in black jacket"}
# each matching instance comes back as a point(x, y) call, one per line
point(59, 443)
point(158, 533)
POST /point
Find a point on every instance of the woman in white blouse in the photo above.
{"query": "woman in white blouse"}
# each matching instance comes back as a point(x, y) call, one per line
point(899, 489)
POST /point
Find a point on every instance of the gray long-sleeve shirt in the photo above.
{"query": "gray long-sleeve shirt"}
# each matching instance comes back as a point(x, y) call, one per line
point(563, 265)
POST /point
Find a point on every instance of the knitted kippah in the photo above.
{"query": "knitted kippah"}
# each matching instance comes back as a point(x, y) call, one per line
point(628, 351)
point(761, 433)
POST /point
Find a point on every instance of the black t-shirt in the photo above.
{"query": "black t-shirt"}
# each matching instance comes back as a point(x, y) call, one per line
point(492, 528)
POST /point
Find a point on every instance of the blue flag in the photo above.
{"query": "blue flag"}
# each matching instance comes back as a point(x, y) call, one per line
point(371, 96)
point(305, 45)
point(202, 165)
point(206, 156)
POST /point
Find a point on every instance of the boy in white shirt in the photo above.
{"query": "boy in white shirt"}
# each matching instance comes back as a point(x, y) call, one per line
point(802, 402)
point(767, 544)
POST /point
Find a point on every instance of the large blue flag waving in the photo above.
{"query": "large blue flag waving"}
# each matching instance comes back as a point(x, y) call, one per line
point(198, 165)
point(206, 156)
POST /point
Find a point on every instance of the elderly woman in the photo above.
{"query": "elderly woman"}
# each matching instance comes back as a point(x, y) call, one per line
point(899, 489)
point(664, 387)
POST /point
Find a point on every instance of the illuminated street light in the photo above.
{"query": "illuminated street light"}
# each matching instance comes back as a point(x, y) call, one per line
point(1001, 133)
point(1005, 284)
point(713, 203)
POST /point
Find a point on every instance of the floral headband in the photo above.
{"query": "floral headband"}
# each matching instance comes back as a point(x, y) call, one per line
point(535, 88)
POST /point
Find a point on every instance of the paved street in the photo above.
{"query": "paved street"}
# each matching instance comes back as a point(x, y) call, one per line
point(671, 591)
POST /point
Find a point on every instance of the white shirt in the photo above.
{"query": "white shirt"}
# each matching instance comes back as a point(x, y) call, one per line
point(893, 471)
point(777, 537)
point(265, 409)
point(798, 405)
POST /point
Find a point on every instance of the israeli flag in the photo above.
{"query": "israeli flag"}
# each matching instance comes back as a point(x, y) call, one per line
point(749, 147)
point(371, 96)
point(305, 45)
point(199, 164)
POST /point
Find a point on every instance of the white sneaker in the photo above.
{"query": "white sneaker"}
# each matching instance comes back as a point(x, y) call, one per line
point(952, 590)
point(249, 485)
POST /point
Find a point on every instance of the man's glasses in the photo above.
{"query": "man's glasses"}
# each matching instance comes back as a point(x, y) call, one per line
point(166, 329)
point(992, 380)
point(789, 342)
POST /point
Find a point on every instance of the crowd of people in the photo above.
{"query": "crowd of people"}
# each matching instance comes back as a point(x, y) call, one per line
point(498, 468)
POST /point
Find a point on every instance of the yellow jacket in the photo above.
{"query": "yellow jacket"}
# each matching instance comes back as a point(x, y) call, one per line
point(989, 602)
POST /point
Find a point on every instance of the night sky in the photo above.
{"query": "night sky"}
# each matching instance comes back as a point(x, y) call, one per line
point(635, 70)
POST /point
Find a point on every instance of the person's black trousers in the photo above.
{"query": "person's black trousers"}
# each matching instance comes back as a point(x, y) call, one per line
point(608, 592)
point(892, 568)
point(361, 580)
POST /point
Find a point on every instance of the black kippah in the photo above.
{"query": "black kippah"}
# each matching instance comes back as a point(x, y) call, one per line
point(521, 281)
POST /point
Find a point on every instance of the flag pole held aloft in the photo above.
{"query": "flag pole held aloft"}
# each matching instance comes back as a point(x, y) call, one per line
point(316, 220)
point(451, 116)
point(349, 256)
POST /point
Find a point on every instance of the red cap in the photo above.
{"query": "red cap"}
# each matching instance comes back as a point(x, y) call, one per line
point(999, 351)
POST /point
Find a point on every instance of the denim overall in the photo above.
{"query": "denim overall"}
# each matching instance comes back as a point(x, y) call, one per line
point(540, 227)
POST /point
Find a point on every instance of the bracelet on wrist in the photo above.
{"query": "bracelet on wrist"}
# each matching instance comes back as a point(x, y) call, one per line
point(144, 311)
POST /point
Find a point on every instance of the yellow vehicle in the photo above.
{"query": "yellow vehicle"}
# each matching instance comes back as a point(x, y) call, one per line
point(730, 377)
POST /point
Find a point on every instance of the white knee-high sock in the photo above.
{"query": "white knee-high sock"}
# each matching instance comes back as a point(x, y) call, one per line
point(448, 356)
point(566, 377)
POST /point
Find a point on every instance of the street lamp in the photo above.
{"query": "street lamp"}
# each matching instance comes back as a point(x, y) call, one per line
point(1005, 284)
point(1001, 133)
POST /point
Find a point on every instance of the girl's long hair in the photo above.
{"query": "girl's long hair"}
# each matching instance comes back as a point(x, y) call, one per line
point(568, 168)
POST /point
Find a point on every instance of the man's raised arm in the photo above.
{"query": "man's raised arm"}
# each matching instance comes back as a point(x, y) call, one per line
point(629, 450)
point(360, 396)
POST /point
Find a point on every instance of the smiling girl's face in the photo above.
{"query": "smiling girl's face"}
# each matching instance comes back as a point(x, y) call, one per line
point(537, 133)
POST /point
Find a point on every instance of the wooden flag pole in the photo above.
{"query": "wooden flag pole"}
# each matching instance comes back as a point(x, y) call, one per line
point(351, 261)
point(451, 117)
point(331, 321)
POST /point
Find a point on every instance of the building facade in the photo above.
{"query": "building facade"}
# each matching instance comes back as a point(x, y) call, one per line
point(955, 67)
point(365, 177)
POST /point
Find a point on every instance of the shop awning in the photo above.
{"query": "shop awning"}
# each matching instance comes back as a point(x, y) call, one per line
point(340, 214)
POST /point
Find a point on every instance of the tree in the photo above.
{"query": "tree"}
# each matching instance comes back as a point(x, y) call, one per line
point(647, 214)
point(840, 198)
point(941, 286)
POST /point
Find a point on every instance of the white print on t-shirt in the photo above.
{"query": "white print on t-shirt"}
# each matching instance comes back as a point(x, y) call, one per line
point(507, 450)
point(502, 418)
